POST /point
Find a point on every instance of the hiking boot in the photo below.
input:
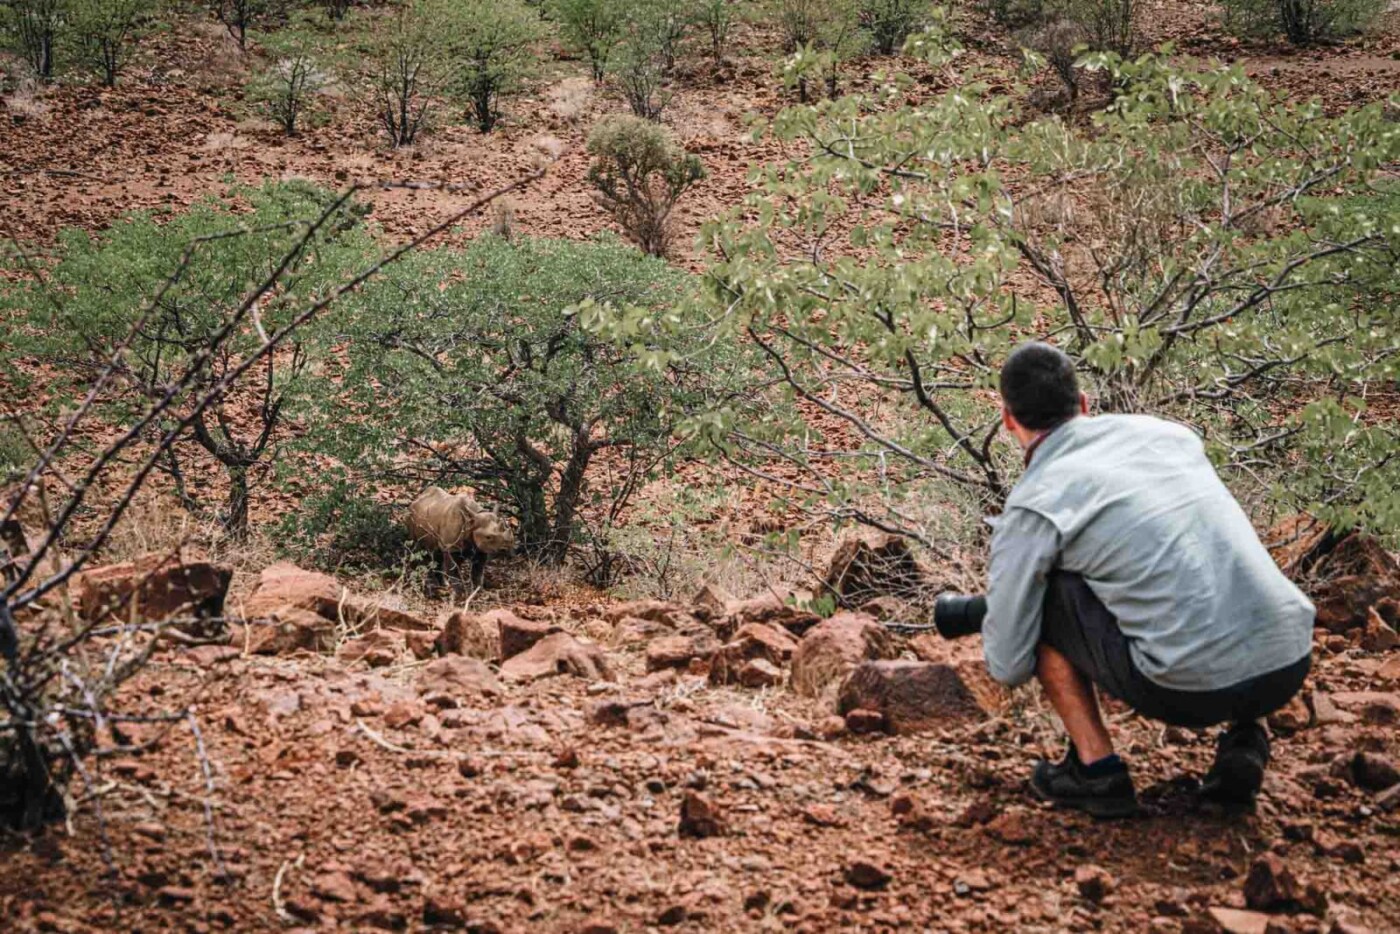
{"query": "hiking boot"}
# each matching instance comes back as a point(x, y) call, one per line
point(1103, 789)
point(1241, 755)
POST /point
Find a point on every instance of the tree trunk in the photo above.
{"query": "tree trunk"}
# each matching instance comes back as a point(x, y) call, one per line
point(236, 520)
point(570, 492)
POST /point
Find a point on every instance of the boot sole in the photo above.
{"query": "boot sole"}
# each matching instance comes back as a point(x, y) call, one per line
point(1100, 808)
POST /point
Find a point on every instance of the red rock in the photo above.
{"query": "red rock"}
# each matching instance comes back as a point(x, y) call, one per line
point(751, 641)
point(1012, 827)
point(423, 645)
point(656, 611)
point(823, 815)
point(1389, 670)
point(771, 609)
point(862, 720)
point(1379, 634)
point(558, 654)
point(1329, 844)
point(1094, 882)
point(1373, 772)
point(699, 817)
point(401, 714)
point(885, 566)
point(376, 649)
point(1371, 707)
point(153, 588)
point(286, 585)
point(520, 635)
point(1271, 886)
point(333, 887)
point(176, 895)
point(865, 874)
point(456, 676)
point(1236, 921)
point(678, 651)
point(760, 673)
point(912, 696)
point(711, 601)
point(477, 635)
point(1355, 574)
point(833, 648)
point(288, 630)
point(1292, 717)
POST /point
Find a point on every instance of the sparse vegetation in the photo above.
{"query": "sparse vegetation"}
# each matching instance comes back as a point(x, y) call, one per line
point(105, 33)
point(641, 172)
point(32, 28)
point(1303, 21)
point(241, 16)
point(286, 89)
point(495, 44)
point(592, 28)
point(404, 64)
point(715, 19)
point(890, 22)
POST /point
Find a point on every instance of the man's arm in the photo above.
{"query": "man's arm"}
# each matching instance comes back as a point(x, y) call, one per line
point(1025, 548)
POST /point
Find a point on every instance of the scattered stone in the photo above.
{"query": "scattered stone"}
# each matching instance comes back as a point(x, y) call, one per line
point(333, 886)
point(678, 651)
point(402, 714)
point(1374, 708)
point(1292, 717)
point(833, 648)
point(912, 696)
point(864, 874)
point(863, 570)
point(1094, 882)
point(771, 608)
point(1237, 921)
point(422, 645)
point(751, 641)
point(1329, 844)
point(477, 635)
point(823, 815)
point(1379, 634)
point(712, 601)
point(456, 676)
point(1012, 827)
point(1271, 886)
point(1373, 772)
point(176, 895)
point(1356, 573)
point(153, 588)
point(519, 635)
point(288, 630)
point(760, 673)
point(558, 654)
point(376, 649)
point(286, 585)
point(699, 817)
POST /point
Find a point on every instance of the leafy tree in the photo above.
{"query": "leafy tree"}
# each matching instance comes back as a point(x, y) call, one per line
point(105, 33)
point(715, 18)
point(1204, 270)
point(495, 47)
point(475, 367)
point(646, 55)
point(821, 35)
point(337, 9)
point(152, 293)
point(1302, 21)
point(592, 28)
point(890, 22)
point(239, 16)
point(287, 87)
point(32, 29)
point(405, 63)
point(1108, 25)
point(641, 172)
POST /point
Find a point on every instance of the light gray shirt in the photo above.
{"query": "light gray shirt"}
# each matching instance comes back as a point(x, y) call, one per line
point(1133, 505)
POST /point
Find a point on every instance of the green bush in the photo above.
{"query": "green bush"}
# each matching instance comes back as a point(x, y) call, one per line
point(715, 20)
point(641, 172)
point(820, 35)
point(105, 33)
point(1302, 21)
point(32, 29)
point(404, 64)
point(341, 529)
point(156, 294)
point(1014, 13)
point(592, 28)
point(286, 89)
point(495, 45)
point(240, 16)
point(476, 368)
point(1202, 266)
point(890, 22)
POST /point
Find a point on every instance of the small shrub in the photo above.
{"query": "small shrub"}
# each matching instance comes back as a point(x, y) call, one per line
point(715, 20)
point(1014, 13)
point(1104, 25)
point(15, 453)
point(1303, 21)
point(239, 16)
point(890, 22)
point(287, 88)
point(641, 173)
point(337, 9)
point(338, 529)
point(105, 33)
point(404, 65)
point(639, 73)
point(592, 28)
point(819, 35)
point(1057, 40)
point(494, 47)
point(32, 29)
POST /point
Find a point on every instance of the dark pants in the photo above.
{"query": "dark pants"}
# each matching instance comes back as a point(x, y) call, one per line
point(1081, 628)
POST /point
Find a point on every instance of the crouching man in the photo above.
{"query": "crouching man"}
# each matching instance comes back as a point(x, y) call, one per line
point(1122, 561)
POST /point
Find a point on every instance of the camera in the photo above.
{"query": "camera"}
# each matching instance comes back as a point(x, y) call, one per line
point(957, 615)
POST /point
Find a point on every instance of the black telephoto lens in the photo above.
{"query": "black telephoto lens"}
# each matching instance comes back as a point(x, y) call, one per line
point(956, 615)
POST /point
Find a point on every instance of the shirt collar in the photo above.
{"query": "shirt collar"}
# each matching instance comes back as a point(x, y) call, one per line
point(1036, 442)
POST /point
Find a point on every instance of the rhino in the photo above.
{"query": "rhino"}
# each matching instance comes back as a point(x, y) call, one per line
point(454, 526)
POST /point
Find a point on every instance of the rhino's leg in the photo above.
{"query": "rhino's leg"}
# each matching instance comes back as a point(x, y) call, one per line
point(478, 569)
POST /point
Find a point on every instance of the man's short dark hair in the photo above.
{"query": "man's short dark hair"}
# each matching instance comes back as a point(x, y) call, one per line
point(1039, 386)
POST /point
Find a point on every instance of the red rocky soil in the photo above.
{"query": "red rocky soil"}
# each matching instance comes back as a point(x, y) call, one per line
point(574, 789)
